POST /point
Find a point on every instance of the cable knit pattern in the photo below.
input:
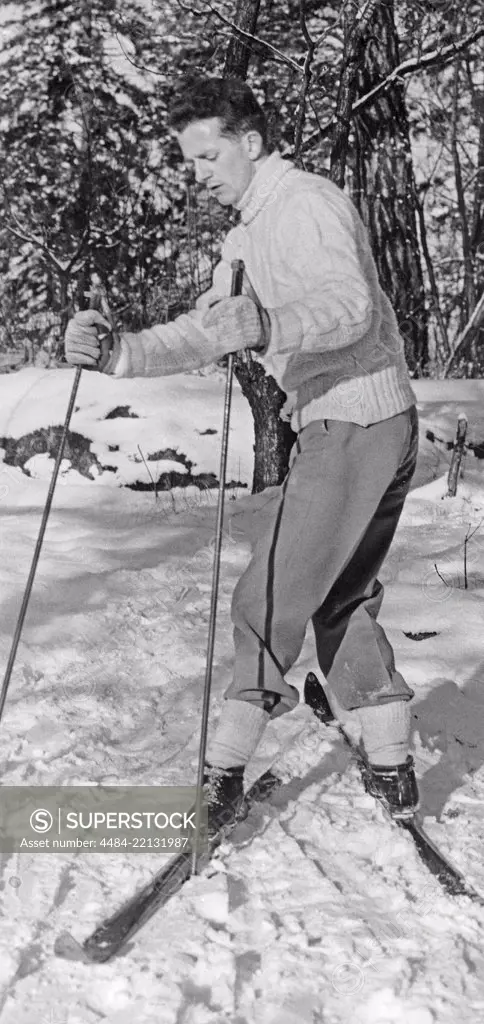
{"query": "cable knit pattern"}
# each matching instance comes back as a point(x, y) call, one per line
point(335, 346)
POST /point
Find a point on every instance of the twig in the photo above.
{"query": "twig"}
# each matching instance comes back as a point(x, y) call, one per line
point(148, 470)
point(24, 236)
point(476, 528)
point(439, 574)
point(474, 321)
point(467, 538)
point(141, 67)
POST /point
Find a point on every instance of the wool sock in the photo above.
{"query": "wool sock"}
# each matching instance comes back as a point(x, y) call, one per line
point(238, 733)
point(385, 732)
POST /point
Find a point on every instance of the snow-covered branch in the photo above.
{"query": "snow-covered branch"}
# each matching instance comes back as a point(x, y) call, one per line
point(436, 57)
point(428, 59)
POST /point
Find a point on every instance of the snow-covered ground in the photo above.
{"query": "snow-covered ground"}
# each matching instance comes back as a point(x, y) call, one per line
point(326, 916)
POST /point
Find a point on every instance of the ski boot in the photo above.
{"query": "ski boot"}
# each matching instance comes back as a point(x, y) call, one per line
point(395, 787)
point(224, 796)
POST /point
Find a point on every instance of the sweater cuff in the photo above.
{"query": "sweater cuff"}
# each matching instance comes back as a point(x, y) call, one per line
point(119, 365)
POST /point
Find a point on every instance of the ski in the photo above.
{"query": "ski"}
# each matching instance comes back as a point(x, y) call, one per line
point(111, 936)
point(449, 877)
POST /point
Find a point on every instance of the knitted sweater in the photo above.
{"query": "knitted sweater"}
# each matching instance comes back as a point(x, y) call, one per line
point(335, 347)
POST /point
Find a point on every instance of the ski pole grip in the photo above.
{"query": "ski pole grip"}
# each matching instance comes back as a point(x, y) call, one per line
point(98, 301)
point(237, 277)
point(106, 342)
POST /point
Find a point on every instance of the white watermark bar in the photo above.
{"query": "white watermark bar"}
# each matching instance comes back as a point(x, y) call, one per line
point(99, 819)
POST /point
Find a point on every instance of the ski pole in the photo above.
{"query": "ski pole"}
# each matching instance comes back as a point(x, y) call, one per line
point(236, 288)
point(96, 300)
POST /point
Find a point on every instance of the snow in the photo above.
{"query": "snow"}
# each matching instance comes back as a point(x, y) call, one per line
point(326, 916)
point(164, 413)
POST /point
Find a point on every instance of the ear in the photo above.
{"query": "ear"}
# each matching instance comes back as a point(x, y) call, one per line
point(253, 145)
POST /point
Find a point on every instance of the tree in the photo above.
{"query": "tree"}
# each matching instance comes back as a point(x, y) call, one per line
point(93, 182)
point(384, 184)
point(358, 71)
point(82, 187)
point(274, 436)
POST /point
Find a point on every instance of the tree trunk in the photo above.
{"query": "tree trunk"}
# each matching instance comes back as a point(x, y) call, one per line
point(354, 46)
point(239, 49)
point(274, 437)
point(477, 238)
point(468, 293)
point(384, 186)
point(467, 359)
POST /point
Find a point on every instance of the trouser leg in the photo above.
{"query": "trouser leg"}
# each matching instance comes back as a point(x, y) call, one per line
point(353, 650)
point(317, 522)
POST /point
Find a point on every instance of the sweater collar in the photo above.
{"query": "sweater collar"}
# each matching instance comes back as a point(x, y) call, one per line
point(264, 186)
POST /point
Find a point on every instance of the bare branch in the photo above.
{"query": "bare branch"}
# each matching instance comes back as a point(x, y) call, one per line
point(306, 69)
point(428, 59)
point(39, 243)
point(23, 236)
point(439, 574)
point(245, 35)
point(474, 321)
point(138, 67)
point(304, 28)
point(78, 252)
point(148, 470)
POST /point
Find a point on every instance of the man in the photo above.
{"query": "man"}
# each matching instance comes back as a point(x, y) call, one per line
point(314, 311)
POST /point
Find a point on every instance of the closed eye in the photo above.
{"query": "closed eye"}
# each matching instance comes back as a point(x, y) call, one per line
point(209, 158)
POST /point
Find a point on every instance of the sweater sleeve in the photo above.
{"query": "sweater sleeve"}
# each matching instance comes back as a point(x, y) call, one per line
point(181, 345)
point(322, 249)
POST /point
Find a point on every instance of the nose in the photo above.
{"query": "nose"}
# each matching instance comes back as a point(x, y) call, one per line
point(201, 175)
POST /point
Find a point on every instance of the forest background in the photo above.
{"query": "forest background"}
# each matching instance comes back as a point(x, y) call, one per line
point(385, 98)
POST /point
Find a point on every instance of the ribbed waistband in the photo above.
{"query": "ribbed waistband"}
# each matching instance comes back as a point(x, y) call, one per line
point(363, 400)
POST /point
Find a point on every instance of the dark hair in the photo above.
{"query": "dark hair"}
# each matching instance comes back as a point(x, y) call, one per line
point(230, 99)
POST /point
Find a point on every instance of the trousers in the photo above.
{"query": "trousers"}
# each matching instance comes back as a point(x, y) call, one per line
point(323, 536)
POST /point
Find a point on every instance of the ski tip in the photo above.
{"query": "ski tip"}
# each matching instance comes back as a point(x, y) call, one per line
point(312, 688)
point(68, 948)
point(315, 698)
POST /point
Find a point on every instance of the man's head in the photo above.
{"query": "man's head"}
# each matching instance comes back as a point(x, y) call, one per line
point(221, 129)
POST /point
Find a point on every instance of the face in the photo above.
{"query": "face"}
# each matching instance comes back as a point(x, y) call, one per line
point(225, 165)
